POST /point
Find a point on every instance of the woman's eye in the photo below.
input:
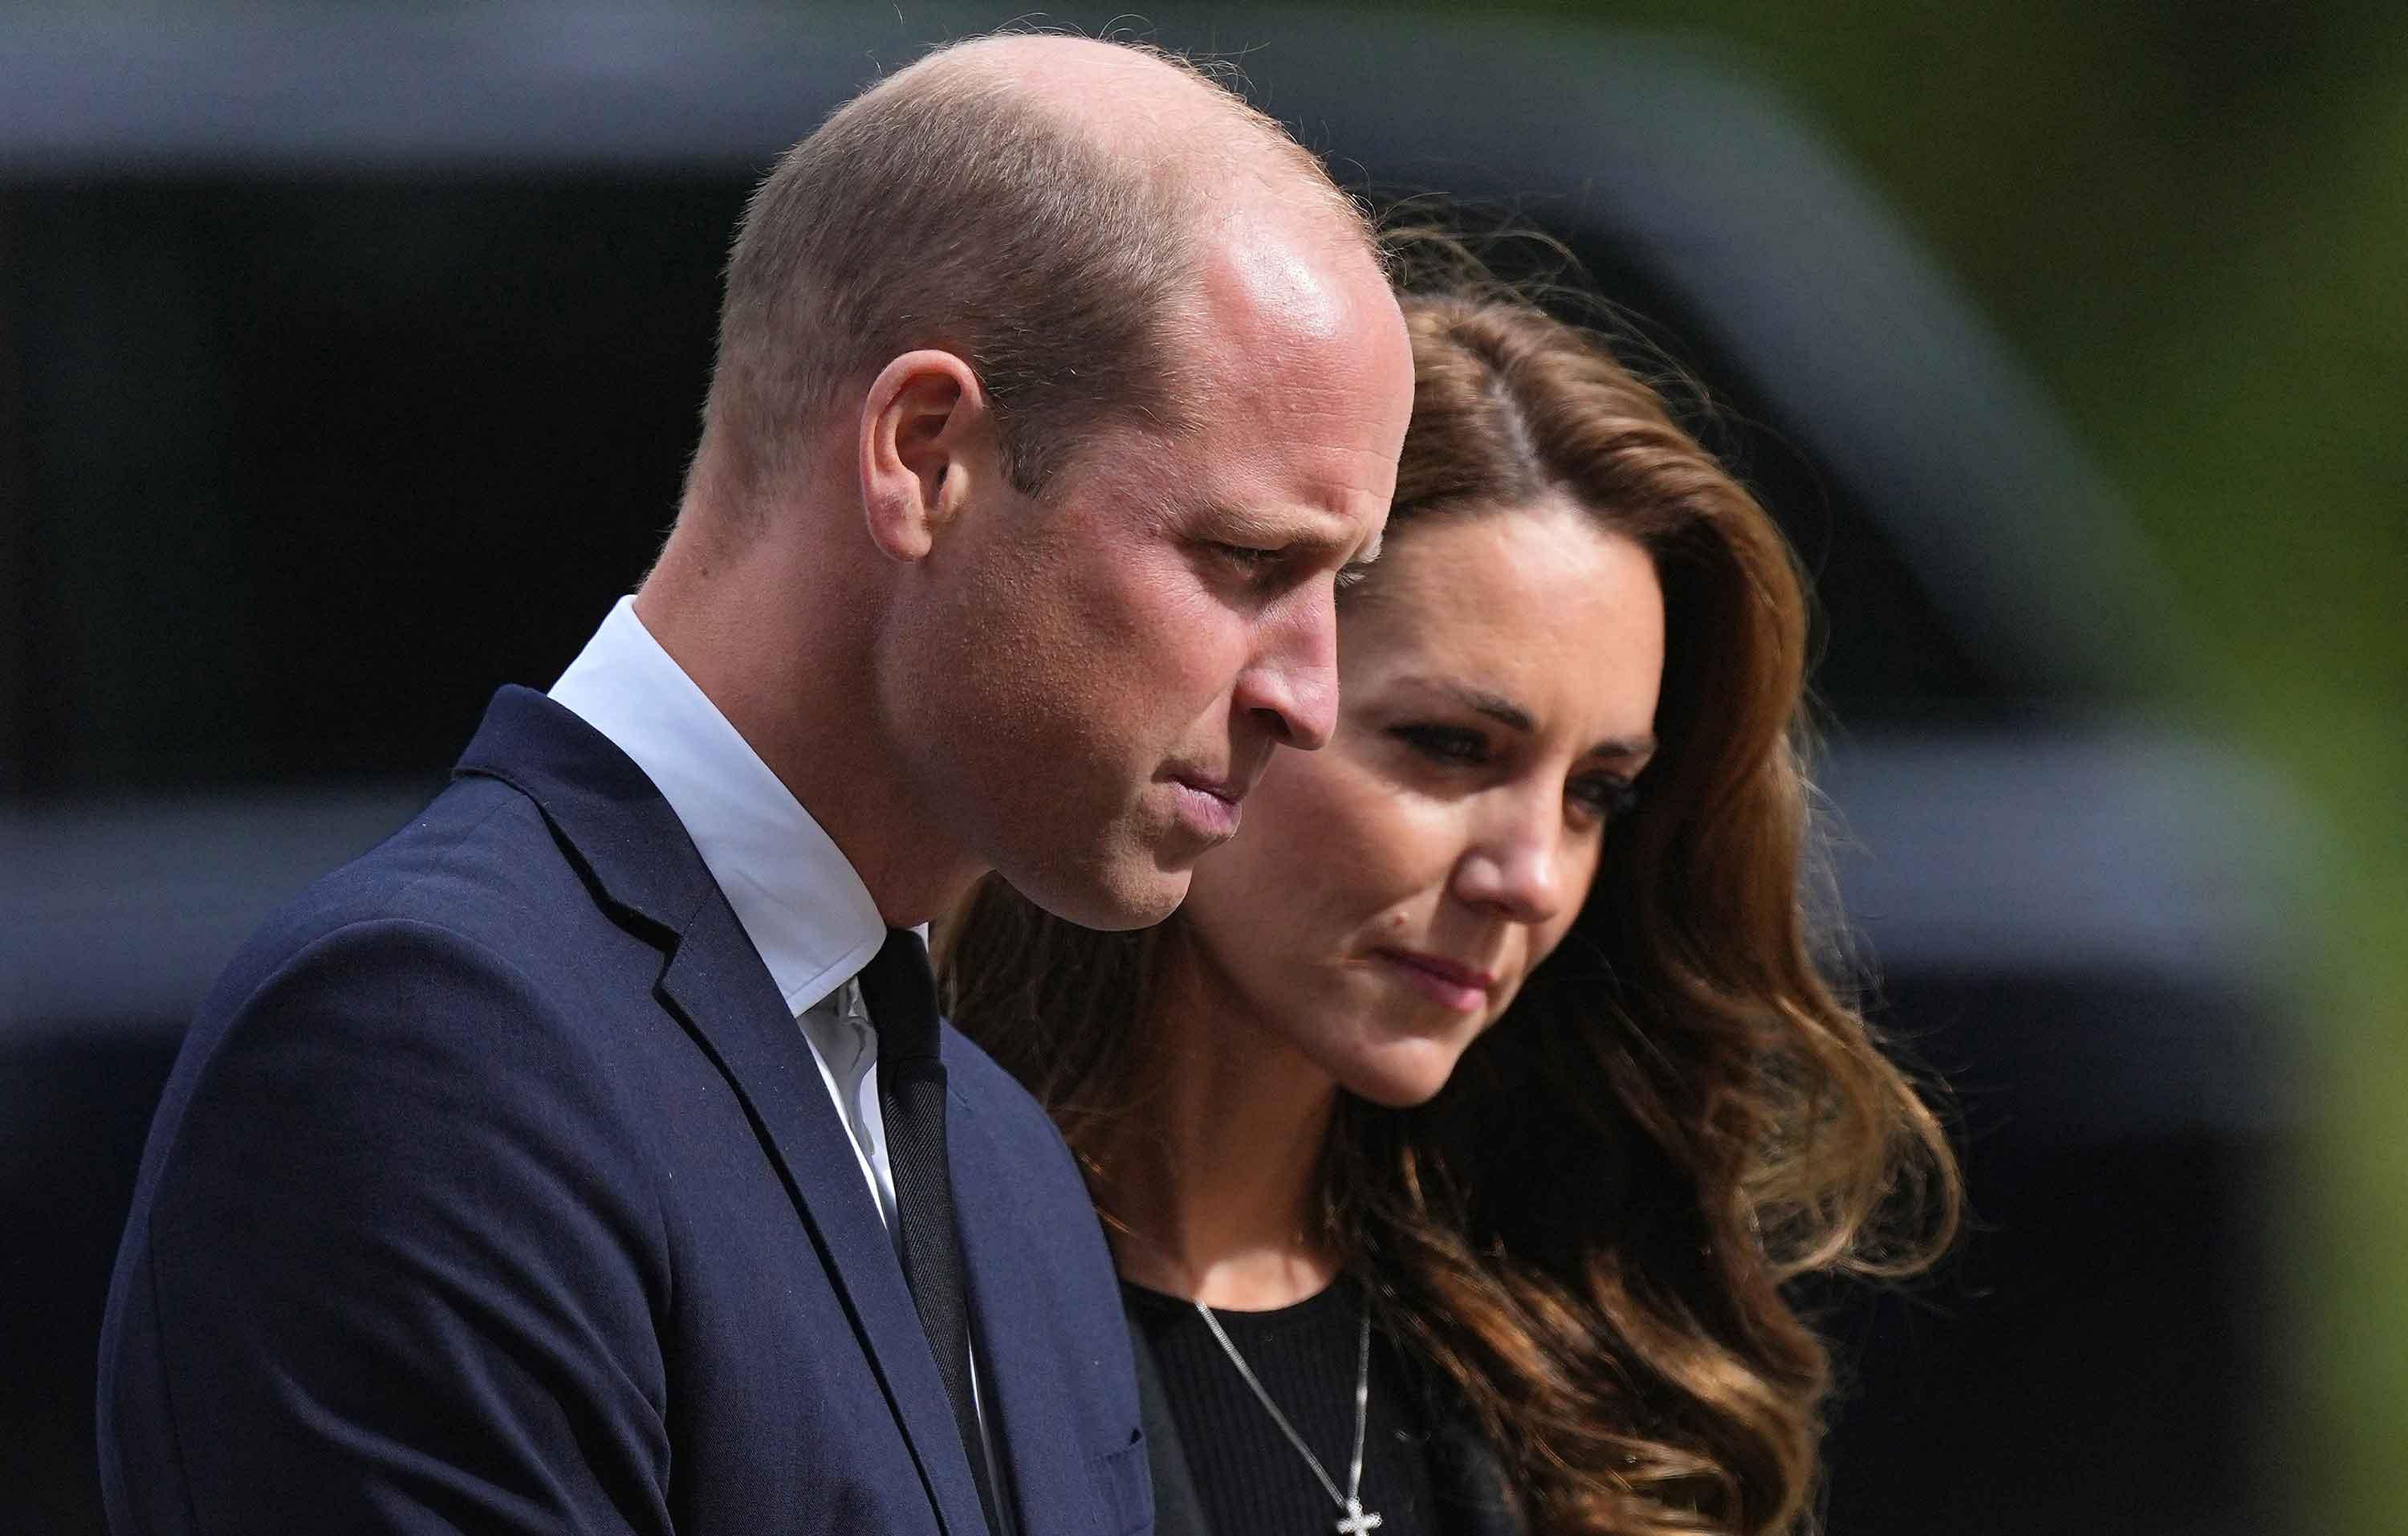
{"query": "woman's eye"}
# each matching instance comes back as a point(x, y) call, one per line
point(1607, 796)
point(1444, 743)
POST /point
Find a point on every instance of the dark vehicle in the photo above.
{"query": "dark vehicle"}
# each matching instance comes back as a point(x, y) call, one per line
point(295, 313)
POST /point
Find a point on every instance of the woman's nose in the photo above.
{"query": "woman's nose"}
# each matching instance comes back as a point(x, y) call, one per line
point(1516, 869)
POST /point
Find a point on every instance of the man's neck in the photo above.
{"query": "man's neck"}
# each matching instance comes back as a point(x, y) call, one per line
point(788, 666)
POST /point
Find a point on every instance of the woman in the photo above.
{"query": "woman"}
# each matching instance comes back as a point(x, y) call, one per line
point(1457, 1135)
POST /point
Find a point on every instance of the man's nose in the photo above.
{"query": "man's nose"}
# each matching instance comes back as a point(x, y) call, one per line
point(1291, 684)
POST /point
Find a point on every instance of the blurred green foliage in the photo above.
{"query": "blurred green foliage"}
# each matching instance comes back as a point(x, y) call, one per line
point(2192, 219)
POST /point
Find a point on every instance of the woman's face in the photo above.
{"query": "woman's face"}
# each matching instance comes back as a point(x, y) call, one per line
point(1389, 894)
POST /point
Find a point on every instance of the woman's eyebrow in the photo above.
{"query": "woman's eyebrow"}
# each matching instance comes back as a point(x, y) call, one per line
point(1625, 746)
point(1506, 713)
point(1496, 707)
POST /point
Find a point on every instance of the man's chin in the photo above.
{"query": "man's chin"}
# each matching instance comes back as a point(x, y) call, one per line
point(1143, 901)
point(1133, 894)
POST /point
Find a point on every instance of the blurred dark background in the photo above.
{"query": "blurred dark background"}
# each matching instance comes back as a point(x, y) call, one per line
point(349, 359)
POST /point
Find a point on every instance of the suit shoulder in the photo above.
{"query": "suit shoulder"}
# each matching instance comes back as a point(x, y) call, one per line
point(456, 939)
point(385, 1060)
point(477, 862)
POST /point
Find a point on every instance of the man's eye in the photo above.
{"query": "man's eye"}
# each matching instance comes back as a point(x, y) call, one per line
point(1248, 557)
point(1444, 743)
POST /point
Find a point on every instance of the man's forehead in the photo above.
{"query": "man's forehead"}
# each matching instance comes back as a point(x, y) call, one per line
point(1277, 283)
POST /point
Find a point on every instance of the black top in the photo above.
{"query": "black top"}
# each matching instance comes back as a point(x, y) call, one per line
point(1247, 1475)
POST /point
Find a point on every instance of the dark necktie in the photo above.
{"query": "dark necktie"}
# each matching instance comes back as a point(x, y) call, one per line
point(900, 992)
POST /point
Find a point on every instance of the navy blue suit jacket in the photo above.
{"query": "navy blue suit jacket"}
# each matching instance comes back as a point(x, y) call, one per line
point(495, 1190)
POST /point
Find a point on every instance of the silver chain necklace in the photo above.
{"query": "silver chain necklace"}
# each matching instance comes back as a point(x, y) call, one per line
point(1355, 1522)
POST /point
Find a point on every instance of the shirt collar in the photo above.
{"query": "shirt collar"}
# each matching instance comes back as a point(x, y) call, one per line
point(799, 899)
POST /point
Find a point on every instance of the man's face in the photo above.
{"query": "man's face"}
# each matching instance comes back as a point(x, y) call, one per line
point(1091, 681)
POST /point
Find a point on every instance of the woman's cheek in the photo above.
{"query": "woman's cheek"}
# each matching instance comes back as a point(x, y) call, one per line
point(1339, 792)
point(1343, 852)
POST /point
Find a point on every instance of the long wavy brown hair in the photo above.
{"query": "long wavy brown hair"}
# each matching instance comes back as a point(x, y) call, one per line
point(1588, 1231)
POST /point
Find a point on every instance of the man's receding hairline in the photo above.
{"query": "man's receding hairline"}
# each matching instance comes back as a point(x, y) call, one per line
point(1247, 169)
point(1258, 147)
point(1123, 180)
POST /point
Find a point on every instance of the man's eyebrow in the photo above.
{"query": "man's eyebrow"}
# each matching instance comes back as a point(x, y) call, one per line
point(1312, 529)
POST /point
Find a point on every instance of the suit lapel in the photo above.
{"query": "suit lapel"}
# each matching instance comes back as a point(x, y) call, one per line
point(637, 855)
point(1027, 1399)
point(717, 983)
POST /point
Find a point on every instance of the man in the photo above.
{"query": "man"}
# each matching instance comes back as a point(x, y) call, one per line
point(586, 1158)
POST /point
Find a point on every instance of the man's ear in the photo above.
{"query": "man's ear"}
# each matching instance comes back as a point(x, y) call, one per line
point(925, 436)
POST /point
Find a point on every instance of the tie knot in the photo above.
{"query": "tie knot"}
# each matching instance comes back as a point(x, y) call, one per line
point(900, 992)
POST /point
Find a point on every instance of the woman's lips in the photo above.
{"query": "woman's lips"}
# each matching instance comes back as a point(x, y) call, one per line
point(1451, 982)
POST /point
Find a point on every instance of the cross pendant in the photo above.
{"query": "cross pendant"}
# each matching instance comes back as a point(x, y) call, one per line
point(1356, 1522)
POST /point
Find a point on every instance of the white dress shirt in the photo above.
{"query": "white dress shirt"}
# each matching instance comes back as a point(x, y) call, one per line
point(796, 894)
point(798, 897)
